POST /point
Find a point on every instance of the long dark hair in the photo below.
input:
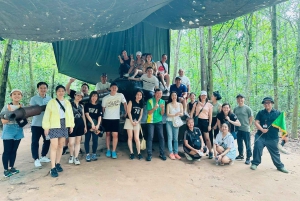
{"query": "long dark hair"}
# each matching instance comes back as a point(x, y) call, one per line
point(142, 100)
point(91, 95)
point(222, 113)
point(170, 97)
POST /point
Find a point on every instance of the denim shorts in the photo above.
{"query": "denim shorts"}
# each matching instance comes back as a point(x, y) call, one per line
point(12, 132)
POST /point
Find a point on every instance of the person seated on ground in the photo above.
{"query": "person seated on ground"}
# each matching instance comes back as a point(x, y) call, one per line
point(192, 97)
point(224, 147)
point(137, 67)
point(103, 86)
point(184, 80)
point(84, 89)
point(125, 63)
point(150, 82)
point(227, 116)
point(193, 144)
point(162, 74)
point(150, 63)
point(181, 91)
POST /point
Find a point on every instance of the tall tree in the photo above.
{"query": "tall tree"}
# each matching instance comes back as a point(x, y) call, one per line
point(177, 53)
point(274, 45)
point(32, 88)
point(248, 47)
point(202, 60)
point(210, 86)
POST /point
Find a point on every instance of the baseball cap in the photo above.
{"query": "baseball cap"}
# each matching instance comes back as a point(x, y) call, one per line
point(103, 75)
point(240, 95)
point(14, 90)
point(203, 93)
point(79, 93)
point(138, 53)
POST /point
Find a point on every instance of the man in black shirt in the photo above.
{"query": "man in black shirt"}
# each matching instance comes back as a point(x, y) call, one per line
point(84, 89)
point(267, 135)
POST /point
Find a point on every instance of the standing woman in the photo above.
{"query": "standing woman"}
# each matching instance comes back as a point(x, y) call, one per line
point(93, 113)
point(216, 109)
point(132, 123)
point(79, 129)
point(11, 135)
point(225, 150)
point(174, 109)
point(57, 119)
point(192, 102)
point(204, 113)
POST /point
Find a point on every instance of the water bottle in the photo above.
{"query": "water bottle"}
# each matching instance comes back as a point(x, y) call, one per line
point(217, 161)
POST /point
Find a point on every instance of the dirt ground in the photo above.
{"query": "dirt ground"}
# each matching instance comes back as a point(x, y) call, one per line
point(123, 179)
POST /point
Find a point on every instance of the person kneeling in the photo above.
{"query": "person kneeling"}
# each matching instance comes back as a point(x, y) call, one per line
point(193, 142)
point(224, 147)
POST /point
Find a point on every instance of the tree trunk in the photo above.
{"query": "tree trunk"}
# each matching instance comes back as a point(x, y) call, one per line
point(209, 63)
point(202, 60)
point(4, 70)
point(32, 88)
point(177, 53)
point(296, 85)
point(248, 29)
point(274, 45)
point(53, 83)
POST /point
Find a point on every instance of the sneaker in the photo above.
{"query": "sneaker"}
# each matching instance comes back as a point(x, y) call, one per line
point(94, 157)
point(163, 157)
point(140, 156)
point(58, 167)
point(239, 158)
point(283, 170)
point(37, 163)
point(177, 156)
point(172, 157)
point(149, 158)
point(14, 171)
point(247, 162)
point(88, 158)
point(44, 159)
point(253, 167)
point(131, 157)
point(114, 155)
point(108, 153)
point(210, 155)
point(7, 173)
point(126, 75)
point(71, 160)
point(197, 159)
point(53, 172)
point(76, 161)
point(131, 77)
point(188, 157)
point(64, 150)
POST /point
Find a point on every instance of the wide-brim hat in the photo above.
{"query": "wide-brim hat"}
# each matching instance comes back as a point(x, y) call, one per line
point(267, 99)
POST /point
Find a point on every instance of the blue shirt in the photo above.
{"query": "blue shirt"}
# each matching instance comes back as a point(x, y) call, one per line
point(182, 88)
point(38, 100)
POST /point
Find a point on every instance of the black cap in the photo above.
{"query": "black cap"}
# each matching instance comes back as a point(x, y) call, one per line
point(113, 84)
point(267, 99)
point(240, 95)
point(178, 78)
point(104, 75)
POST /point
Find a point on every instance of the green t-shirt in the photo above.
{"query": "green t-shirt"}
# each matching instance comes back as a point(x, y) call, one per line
point(243, 114)
point(155, 117)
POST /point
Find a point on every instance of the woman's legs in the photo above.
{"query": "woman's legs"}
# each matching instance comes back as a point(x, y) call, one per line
point(53, 150)
point(77, 146)
point(170, 135)
point(208, 143)
point(225, 160)
point(7, 149)
point(167, 77)
point(219, 149)
point(95, 142)
point(87, 142)
point(13, 154)
point(129, 141)
point(61, 142)
point(71, 145)
point(175, 139)
point(137, 140)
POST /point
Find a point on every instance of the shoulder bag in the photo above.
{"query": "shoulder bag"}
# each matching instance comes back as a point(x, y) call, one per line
point(143, 141)
point(196, 117)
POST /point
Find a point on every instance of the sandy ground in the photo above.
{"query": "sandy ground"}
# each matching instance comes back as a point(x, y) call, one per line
point(123, 179)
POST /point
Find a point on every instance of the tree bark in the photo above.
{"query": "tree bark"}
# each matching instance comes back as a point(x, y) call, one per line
point(248, 29)
point(202, 60)
point(210, 86)
point(32, 88)
point(274, 45)
point(4, 70)
point(53, 83)
point(177, 53)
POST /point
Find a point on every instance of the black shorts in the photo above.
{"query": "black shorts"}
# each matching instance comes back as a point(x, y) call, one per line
point(78, 129)
point(111, 125)
point(203, 125)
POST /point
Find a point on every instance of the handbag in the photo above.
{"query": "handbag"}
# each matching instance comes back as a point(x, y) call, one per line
point(177, 122)
point(196, 117)
point(143, 141)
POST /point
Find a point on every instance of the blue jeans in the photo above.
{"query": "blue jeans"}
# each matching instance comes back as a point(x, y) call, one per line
point(244, 136)
point(172, 135)
point(158, 127)
point(88, 136)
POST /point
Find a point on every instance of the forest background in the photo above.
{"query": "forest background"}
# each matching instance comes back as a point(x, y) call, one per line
point(257, 55)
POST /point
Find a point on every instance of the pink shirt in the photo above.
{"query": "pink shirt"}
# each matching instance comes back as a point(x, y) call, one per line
point(205, 112)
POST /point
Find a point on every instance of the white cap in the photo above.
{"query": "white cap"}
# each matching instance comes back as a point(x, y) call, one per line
point(138, 53)
point(203, 93)
point(16, 90)
point(79, 93)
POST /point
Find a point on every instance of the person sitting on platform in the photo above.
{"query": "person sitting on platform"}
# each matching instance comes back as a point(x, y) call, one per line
point(103, 86)
point(193, 144)
point(162, 74)
point(184, 80)
point(150, 82)
point(125, 63)
point(84, 89)
point(150, 63)
point(137, 67)
point(181, 91)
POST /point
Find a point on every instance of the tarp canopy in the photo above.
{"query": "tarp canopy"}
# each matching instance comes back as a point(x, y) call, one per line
point(41, 20)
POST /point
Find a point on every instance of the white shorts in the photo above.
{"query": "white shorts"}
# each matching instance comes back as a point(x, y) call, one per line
point(128, 125)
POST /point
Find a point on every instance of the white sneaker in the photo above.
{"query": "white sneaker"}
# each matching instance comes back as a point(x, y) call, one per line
point(44, 159)
point(71, 159)
point(126, 75)
point(37, 163)
point(76, 161)
point(188, 157)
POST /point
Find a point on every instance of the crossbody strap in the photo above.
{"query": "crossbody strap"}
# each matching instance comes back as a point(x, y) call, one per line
point(61, 106)
point(201, 109)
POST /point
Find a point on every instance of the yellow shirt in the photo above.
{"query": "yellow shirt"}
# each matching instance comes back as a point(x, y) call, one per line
point(51, 117)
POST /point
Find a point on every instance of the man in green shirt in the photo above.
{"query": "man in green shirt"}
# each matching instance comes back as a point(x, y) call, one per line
point(156, 109)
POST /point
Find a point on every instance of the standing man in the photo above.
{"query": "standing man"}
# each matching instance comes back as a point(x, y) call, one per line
point(103, 86)
point(181, 91)
point(84, 89)
point(162, 72)
point(156, 109)
point(36, 126)
point(245, 116)
point(111, 117)
point(267, 135)
point(184, 80)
